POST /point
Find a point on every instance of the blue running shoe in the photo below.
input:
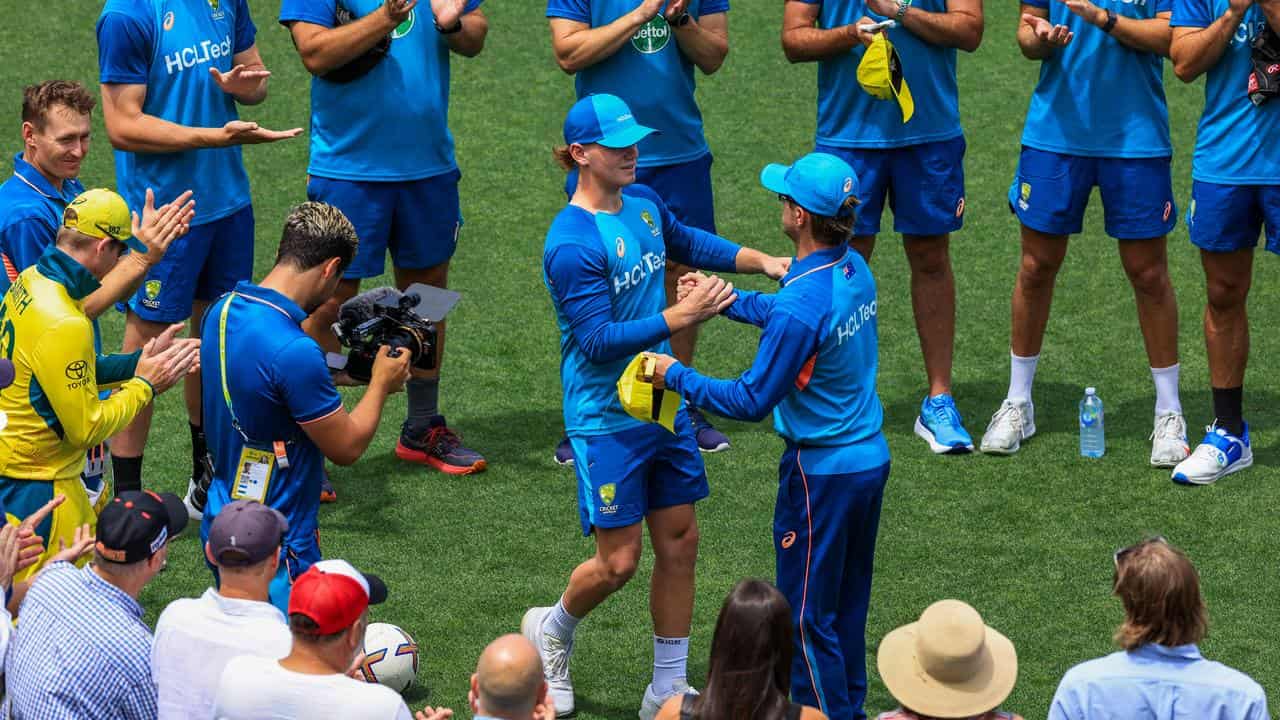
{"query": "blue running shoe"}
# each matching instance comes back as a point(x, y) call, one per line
point(940, 425)
point(710, 440)
point(564, 452)
point(1219, 454)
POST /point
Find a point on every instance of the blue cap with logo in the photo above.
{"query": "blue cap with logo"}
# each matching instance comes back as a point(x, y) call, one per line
point(603, 119)
point(817, 182)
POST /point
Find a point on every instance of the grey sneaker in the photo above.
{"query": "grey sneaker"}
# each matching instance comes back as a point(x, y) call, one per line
point(555, 654)
point(653, 702)
point(1012, 423)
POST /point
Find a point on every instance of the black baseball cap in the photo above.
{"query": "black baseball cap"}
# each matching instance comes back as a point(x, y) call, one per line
point(245, 532)
point(135, 525)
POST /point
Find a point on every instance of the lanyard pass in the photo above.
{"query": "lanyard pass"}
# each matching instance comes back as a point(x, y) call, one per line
point(282, 459)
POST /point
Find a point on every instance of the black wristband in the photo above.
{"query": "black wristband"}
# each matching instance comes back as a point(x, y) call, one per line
point(681, 20)
point(1111, 22)
point(449, 31)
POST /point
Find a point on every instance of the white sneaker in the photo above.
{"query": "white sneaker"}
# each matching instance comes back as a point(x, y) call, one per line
point(1012, 423)
point(653, 702)
point(196, 515)
point(1219, 454)
point(555, 655)
point(1169, 441)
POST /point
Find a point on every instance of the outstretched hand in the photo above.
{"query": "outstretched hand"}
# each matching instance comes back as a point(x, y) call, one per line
point(1048, 33)
point(240, 81)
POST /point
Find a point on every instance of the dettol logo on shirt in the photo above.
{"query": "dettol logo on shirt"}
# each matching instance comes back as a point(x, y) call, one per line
point(652, 36)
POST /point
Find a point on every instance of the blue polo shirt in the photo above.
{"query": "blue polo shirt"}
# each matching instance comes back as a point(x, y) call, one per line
point(1155, 681)
point(278, 381)
point(30, 213)
point(650, 73)
point(850, 117)
point(816, 365)
point(402, 129)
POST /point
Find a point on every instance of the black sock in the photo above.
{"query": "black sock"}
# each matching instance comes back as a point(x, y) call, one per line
point(424, 402)
point(199, 449)
point(1228, 408)
point(127, 473)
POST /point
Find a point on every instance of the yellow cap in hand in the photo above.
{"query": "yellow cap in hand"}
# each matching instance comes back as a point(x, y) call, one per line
point(880, 74)
point(641, 400)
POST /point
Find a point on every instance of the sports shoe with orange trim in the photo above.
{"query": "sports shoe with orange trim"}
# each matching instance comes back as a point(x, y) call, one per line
point(327, 493)
point(439, 447)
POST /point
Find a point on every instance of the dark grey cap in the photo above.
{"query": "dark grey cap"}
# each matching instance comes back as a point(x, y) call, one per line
point(245, 532)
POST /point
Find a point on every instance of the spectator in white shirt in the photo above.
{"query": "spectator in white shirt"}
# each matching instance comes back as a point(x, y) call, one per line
point(196, 637)
point(328, 614)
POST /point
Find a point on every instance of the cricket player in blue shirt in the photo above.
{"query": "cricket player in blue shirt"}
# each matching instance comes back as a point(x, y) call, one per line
point(390, 167)
point(645, 52)
point(1235, 194)
point(271, 410)
point(604, 263)
point(816, 370)
point(1108, 129)
point(917, 164)
point(172, 72)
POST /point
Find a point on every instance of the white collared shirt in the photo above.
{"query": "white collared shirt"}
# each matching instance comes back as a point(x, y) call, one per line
point(196, 637)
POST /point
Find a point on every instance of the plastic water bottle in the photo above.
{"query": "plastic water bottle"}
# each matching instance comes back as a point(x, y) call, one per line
point(1092, 437)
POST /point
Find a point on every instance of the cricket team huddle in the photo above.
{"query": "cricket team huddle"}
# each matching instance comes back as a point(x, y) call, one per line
point(633, 266)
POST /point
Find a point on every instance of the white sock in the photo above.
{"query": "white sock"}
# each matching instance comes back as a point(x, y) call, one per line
point(670, 662)
point(1166, 380)
point(1022, 373)
point(560, 623)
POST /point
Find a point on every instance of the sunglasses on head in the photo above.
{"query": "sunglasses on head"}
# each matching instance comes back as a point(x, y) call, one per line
point(1124, 552)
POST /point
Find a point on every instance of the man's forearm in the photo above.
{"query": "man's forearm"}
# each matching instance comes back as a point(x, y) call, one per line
point(705, 48)
point(1033, 48)
point(149, 134)
point(469, 41)
point(1194, 52)
point(324, 49)
point(750, 261)
point(364, 422)
point(1150, 35)
point(586, 47)
point(811, 44)
point(953, 28)
point(118, 285)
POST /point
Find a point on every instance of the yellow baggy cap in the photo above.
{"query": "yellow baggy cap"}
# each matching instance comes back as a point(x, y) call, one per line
point(641, 400)
point(880, 74)
point(101, 213)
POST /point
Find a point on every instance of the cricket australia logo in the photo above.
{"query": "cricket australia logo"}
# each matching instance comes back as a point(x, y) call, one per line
point(608, 493)
point(652, 36)
point(1024, 196)
point(151, 294)
point(215, 9)
point(403, 28)
point(648, 220)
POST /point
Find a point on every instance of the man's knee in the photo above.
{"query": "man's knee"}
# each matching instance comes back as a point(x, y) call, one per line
point(1149, 278)
point(620, 566)
point(928, 256)
point(680, 548)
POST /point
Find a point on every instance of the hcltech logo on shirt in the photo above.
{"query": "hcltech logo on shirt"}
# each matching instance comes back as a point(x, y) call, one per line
point(193, 55)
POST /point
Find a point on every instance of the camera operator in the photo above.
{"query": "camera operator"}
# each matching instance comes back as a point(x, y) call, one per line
point(271, 412)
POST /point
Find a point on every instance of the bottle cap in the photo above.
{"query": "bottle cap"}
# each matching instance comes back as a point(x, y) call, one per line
point(1091, 391)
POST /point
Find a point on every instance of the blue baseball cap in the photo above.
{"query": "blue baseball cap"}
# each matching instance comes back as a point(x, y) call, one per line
point(817, 182)
point(603, 119)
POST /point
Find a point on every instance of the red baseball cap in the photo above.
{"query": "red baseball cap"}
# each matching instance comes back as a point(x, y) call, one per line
point(334, 595)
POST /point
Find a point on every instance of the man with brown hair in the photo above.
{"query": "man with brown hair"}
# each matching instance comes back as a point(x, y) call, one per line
point(1165, 618)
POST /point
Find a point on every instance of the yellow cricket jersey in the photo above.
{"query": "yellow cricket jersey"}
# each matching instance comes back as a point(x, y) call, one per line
point(55, 413)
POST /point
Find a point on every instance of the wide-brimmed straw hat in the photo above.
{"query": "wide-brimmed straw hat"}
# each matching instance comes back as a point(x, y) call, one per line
point(948, 664)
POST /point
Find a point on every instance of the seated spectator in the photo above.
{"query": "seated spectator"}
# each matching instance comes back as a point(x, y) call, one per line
point(948, 664)
point(83, 650)
point(328, 614)
point(750, 673)
point(508, 683)
point(195, 638)
point(1159, 673)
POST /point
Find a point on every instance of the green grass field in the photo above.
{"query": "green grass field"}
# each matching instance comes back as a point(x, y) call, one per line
point(1027, 540)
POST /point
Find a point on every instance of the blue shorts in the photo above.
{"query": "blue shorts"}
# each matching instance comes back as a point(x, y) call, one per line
point(1225, 218)
point(622, 476)
point(202, 265)
point(924, 184)
point(1051, 191)
point(417, 220)
point(684, 188)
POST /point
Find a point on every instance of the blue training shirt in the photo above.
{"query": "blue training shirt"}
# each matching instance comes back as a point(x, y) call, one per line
point(606, 276)
point(30, 214)
point(401, 130)
point(1233, 142)
point(278, 381)
point(849, 117)
point(1097, 96)
point(817, 362)
point(650, 73)
point(169, 46)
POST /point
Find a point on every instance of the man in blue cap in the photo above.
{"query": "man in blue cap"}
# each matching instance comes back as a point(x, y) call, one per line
point(816, 369)
point(604, 263)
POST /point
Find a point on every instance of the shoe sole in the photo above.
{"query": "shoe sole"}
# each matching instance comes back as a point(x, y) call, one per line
point(1165, 465)
point(563, 463)
point(1240, 465)
point(192, 513)
point(938, 448)
point(421, 458)
point(718, 448)
point(527, 625)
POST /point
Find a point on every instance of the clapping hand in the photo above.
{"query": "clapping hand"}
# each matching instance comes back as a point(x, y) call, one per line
point(398, 10)
point(79, 547)
point(448, 13)
point(1048, 33)
point(240, 81)
point(158, 227)
point(243, 132)
point(430, 713)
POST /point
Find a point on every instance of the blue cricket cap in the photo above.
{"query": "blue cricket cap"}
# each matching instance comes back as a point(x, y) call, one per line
point(603, 119)
point(817, 182)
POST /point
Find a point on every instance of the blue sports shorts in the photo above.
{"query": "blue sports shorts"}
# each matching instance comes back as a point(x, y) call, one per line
point(924, 185)
point(417, 220)
point(202, 265)
point(1224, 218)
point(684, 188)
point(1051, 191)
point(624, 475)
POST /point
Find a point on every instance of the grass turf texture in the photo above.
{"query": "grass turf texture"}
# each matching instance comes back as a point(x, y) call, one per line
point(1027, 540)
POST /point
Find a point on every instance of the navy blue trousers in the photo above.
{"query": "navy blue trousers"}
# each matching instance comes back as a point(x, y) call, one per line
point(824, 533)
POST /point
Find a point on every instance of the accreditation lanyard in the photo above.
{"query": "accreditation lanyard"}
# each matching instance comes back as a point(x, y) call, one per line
point(277, 446)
